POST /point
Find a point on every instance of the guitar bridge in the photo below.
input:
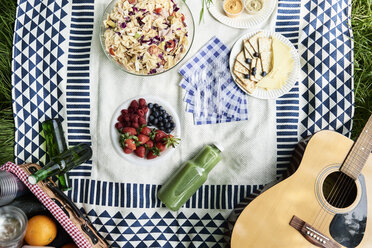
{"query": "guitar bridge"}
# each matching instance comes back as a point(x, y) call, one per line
point(311, 234)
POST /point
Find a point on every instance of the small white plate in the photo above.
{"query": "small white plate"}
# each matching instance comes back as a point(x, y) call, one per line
point(115, 135)
point(244, 20)
point(293, 76)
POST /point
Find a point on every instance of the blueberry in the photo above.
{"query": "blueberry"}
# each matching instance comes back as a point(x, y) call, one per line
point(168, 125)
point(156, 113)
point(170, 117)
point(172, 124)
point(160, 118)
point(161, 108)
point(155, 121)
point(151, 117)
point(263, 73)
point(248, 61)
point(161, 124)
point(253, 73)
point(150, 105)
point(254, 69)
point(168, 131)
point(165, 115)
point(256, 54)
point(165, 120)
point(246, 76)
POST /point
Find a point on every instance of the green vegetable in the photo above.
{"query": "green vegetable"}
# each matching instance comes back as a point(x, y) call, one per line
point(137, 35)
point(205, 2)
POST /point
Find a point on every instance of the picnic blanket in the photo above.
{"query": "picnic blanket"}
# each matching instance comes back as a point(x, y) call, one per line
point(60, 71)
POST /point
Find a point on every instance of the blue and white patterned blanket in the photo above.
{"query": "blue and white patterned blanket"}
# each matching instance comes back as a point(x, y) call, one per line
point(59, 70)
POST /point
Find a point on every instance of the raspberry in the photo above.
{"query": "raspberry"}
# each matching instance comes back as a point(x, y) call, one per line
point(140, 112)
point(134, 104)
point(118, 125)
point(124, 112)
point(131, 110)
point(121, 118)
point(145, 109)
point(126, 118)
point(142, 121)
point(135, 125)
point(142, 102)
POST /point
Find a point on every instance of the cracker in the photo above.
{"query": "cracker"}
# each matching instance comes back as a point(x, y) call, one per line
point(249, 48)
point(257, 64)
point(241, 59)
point(253, 41)
point(266, 61)
point(247, 84)
point(264, 44)
point(240, 68)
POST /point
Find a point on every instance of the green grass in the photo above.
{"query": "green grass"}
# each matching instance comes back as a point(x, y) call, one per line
point(7, 14)
point(361, 21)
point(362, 27)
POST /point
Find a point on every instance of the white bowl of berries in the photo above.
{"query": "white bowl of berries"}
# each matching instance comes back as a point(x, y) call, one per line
point(145, 130)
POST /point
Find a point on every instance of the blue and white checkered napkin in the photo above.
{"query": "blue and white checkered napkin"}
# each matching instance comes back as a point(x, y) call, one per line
point(211, 94)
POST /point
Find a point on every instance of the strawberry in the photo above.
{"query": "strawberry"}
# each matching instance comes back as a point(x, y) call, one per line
point(146, 130)
point(134, 104)
point(159, 135)
point(142, 139)
point(119, 125)
point(170, 140)
point(149, 144)
point(127, 150)
point(129, 143)
point(142, 102)
point(129, 130)
point(153, 153)
point(140, 151)
point(160, 146)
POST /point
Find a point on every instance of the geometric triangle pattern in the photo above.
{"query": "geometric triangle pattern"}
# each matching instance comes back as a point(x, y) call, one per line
point(326, 50)
point(170, 229)
point(36, 73)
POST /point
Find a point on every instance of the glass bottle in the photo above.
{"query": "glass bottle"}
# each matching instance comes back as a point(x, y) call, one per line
point(55, 145)
point(189, 177)
point(63, 162)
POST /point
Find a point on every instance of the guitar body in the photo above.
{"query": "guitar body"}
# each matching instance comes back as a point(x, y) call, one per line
point(265, 222)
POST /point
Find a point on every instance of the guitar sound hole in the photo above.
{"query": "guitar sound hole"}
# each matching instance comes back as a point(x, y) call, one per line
point(339, 190)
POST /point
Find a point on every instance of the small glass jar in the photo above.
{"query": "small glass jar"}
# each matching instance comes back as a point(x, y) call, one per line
point(13, 223)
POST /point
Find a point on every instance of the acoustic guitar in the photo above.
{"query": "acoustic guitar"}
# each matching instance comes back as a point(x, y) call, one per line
point(326, 203)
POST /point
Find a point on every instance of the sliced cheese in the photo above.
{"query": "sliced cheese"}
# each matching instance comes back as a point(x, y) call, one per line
point(282, 66)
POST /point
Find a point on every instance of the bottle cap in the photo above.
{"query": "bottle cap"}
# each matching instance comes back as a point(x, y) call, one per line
point(32, 180)
point(219, 146)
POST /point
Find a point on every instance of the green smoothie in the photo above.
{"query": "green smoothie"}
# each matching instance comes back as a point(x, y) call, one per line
point(188, 179)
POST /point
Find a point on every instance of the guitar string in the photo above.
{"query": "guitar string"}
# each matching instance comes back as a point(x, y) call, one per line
point(343, 198)
point(338, 185)
point(346, 184)
point(322, 214)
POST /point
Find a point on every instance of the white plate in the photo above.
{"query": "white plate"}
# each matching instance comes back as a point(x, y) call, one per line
point(293, 76)
point(115, 135)
point(244, 20)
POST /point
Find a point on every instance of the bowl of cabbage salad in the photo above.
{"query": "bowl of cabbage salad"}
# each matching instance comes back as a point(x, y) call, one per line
point(146, 37)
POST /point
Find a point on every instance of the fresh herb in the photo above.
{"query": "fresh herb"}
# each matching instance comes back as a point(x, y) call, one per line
point(205, 2)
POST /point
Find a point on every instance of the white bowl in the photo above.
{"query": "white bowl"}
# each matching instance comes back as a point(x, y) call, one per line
point(115, 135)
